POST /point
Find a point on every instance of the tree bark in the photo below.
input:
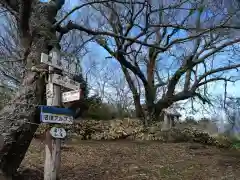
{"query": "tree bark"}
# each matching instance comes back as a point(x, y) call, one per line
point(19, 120)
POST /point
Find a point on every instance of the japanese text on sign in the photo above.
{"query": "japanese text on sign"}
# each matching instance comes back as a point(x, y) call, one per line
point(58, 132)
point(56, 118)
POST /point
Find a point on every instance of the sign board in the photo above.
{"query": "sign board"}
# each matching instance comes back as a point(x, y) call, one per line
point(63, 65)
point(65, 81)
point(71, 96)
point(58, 132)
point(50, 114)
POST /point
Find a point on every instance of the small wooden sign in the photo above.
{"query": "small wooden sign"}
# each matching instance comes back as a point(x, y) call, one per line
point(71, 96)
point(59, 133)
point(65, 81)
point(50, 114)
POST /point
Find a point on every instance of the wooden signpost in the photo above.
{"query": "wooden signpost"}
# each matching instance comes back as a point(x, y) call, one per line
point(52, 114)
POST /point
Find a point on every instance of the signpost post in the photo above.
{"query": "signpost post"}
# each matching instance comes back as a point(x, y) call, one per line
point(56, 115)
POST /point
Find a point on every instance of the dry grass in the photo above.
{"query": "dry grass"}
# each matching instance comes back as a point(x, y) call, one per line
point(128, 160)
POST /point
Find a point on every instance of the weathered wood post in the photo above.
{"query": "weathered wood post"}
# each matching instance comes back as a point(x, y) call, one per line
point(52, 113)
point(53, 145)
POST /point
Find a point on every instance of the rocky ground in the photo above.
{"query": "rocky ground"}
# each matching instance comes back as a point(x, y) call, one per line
point(135, 160)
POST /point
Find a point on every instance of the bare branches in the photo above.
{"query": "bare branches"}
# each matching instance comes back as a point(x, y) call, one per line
point(216, 49)
point(71, 26)
point(120, 57)
point(142, 38)
point(213, 71)
point(75, 9)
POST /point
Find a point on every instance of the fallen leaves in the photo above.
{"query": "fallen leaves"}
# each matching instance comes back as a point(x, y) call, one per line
point(125, 159)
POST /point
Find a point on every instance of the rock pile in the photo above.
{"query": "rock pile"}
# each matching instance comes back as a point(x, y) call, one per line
point(133, 129)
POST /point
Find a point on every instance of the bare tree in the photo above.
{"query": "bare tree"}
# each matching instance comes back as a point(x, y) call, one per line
point(99, 77)
point(140, 35)
point(107, 81)
point(120, 96)
point(173, 48)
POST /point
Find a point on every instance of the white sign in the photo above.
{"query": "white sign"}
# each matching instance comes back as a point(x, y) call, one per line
point(58, 132)
point(63, 65)
point(71, 96)
point(65, 81)
point(56, 118)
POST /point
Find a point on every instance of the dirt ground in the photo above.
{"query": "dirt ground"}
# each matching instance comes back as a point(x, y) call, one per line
point(129, 160)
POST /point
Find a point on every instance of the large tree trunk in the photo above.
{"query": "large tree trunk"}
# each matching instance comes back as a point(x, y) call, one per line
point(19, 120)
point(16, 128)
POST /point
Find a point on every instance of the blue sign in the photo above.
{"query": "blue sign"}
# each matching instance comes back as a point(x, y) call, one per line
point(50, 114)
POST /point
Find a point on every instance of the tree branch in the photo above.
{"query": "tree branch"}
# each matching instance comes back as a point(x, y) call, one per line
point(133, 18)
point(71, 26)
point(215, 50)
point(182, 27)
point(216, 79)
point(174, 80)
point(196, 46)
point(196, 83)
point(178, 74)
point(88, 4)
point(120, 57)
point(185, 94)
